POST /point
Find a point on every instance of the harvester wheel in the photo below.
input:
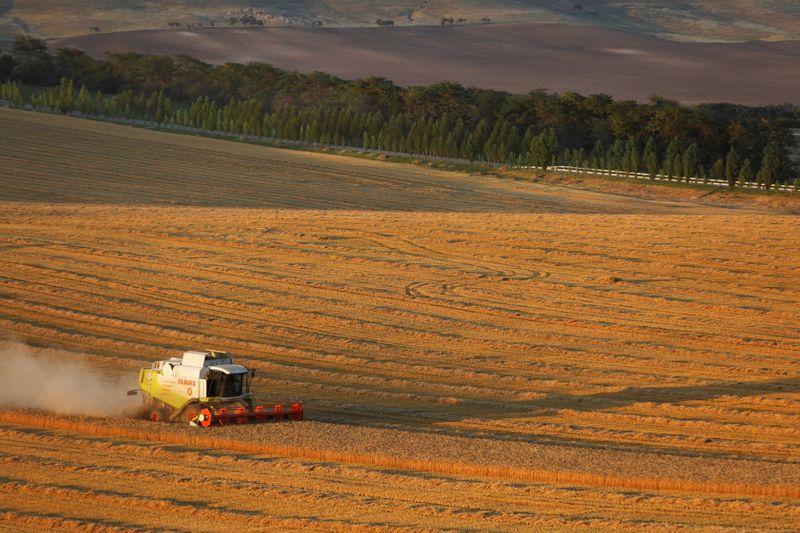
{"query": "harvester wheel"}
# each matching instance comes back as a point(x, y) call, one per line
point(189, 414)
point(297, 412)
point(157, 415)
point(204, 417)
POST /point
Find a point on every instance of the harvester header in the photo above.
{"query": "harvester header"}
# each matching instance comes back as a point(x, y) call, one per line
point(205, 388)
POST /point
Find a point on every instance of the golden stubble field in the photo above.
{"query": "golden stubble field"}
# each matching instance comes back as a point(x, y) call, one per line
point(472, 352)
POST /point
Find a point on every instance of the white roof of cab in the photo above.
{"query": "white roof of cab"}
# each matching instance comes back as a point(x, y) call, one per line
point(229, 369)
point(197, 358)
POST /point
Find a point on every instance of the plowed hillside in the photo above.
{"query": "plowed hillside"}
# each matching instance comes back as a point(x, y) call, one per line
point(517, 57)
point(472, 352)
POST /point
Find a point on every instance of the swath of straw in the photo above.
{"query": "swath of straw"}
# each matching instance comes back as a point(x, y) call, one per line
point(206, 439)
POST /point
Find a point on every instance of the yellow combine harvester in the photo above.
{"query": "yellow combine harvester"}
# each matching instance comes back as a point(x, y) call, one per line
point(205, 388)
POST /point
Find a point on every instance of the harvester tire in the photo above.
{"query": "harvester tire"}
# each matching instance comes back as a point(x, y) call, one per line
point(222, 416)
point(157, 414)
point(189, 414)
point(206, 414)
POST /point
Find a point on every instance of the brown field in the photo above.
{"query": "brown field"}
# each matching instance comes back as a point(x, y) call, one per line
point(472, 352)
point(689, 20)
point(694, 51)
point(516, 57)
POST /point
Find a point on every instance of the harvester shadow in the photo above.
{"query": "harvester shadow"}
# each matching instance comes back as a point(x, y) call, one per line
point(669, 395)
point(631, 395)
point(444, 421)
point(102, 524)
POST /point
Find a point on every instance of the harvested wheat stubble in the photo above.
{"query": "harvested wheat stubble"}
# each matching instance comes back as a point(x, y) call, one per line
point(475, 346)
point(450, 455)
point(207, 478)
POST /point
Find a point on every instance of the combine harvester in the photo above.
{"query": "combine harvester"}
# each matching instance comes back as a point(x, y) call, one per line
point(205, 388)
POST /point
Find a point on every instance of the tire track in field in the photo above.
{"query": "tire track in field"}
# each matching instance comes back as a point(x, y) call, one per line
point(591, 333)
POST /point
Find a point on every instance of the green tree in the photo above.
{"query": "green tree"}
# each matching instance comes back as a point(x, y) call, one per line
point(32, 62)
point(702, 173)
point(61, 97)
point(770, 165)
point(84, 100)
point(579, 157)
point(467, 148)
point(479, 136)
point(543, 148)
point(599, 155)
point(12, 92)
point(745, 173)
point(732, 162)
point(718, 170)
point(650, 158)
point(691, 158)
point(6, 67)
point(672, 161)
point(616, 154)
point(631, 160)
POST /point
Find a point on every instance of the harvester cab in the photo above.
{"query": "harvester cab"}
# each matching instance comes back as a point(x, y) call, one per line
point(205, 388)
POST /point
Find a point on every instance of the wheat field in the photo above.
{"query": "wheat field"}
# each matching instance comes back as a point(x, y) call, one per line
point(472, 352)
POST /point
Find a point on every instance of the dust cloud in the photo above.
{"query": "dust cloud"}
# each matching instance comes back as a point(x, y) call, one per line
point(62, 386)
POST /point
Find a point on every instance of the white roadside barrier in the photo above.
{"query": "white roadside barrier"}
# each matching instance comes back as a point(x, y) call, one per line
point(658, 177)
point(291, 142)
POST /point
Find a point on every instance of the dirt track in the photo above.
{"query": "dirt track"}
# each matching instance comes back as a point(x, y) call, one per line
point(472, 352)
point(516, 58)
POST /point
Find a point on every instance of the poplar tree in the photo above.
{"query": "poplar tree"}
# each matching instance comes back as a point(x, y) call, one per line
point(745, 173)
point(543, 148)
point(615, 155)
point(690, 161)
point(672, 162)
point(770, 165)
point(84, 100)
point(598, 155)
point(718, 170)
point(732, 162)
point(631, 156)
point(651, 158)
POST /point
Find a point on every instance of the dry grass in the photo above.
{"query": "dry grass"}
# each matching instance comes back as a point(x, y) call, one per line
point(456, 341)
point(212, 488)
point(209, 440)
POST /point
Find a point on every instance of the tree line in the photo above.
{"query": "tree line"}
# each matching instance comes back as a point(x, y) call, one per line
point(721, 141)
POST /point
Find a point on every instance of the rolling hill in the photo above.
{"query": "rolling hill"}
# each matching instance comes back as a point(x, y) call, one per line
point(472, 352)
point(694, 52)
point(702, 20)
